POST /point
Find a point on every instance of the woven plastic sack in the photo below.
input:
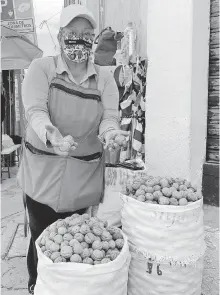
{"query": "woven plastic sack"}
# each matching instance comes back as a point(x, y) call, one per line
point(210, 284)
point(163, 278)
point(172, 236)
point(77, 278)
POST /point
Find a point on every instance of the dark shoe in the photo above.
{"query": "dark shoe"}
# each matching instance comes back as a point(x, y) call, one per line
point(31, 289)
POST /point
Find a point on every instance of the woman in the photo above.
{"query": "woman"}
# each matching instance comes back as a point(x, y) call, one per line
point(69, 103)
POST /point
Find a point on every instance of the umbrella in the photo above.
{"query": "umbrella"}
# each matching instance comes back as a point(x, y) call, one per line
point(17, 52)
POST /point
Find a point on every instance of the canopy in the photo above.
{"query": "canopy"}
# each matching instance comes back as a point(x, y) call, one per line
point(17, 52)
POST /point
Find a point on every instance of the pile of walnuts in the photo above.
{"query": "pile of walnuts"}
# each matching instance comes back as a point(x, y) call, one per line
point(162, 191)
point(119, 141)
point(81, 239)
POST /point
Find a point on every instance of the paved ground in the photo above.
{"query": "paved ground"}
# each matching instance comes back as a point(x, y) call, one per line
point(13, 242)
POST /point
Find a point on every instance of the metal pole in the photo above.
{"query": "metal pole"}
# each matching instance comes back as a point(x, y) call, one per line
point(34, 22)
point(23, 120)
point(101, 15)
point(13, 104)
point(10, 101)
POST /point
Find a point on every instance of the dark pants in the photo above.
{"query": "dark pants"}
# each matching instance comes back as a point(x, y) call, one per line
point(40, 217)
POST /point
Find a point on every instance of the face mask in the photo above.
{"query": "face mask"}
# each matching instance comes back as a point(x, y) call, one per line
point(75, 48)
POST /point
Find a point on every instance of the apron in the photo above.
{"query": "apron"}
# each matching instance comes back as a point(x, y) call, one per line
point(77, 181)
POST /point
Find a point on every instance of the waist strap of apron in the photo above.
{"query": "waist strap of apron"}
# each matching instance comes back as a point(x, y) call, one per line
point(34, 150)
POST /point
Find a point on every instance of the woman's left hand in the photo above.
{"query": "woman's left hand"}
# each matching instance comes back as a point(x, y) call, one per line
point(112, 134)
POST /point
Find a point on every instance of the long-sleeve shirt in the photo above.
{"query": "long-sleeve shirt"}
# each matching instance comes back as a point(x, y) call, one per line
point(35, 91)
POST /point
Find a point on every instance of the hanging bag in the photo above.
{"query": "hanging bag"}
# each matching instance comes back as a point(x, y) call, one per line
point(106, 46)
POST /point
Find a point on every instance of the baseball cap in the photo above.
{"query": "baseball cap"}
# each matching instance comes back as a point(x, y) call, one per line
point(75, 10)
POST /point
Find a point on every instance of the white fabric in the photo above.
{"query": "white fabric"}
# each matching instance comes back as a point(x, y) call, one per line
point(115, 180)
point(110, 209)
point(163, 278)
point(172, 236)
point(7, 141)
point(137, 140)
point(11, 149)
point(165, 233)
point(82, 279)
point(72, 11)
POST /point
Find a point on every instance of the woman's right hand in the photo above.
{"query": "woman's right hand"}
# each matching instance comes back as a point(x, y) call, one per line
point(61, 145)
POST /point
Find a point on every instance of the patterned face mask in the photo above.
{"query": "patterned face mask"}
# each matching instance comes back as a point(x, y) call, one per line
point(77, 49)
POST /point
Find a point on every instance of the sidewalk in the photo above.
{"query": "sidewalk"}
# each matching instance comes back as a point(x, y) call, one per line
point(13, 242)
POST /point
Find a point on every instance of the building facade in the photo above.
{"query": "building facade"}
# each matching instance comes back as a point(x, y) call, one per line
point(181, 41)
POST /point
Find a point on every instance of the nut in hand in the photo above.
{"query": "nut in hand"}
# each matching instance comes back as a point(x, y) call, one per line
point(65, 147)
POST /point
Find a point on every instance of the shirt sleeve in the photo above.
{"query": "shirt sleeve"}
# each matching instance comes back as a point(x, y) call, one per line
point(110, 100)
point(35, 90)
